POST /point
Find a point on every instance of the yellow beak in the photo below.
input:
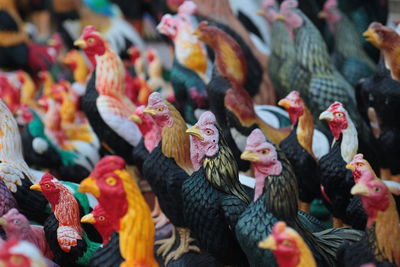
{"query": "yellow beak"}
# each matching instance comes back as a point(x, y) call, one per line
point(51, 42)
point(249, 156)
point(88, 185)
point(360, 189)
point(371, 36)
point(88, 218)
point(129, 51)
point(268, 243)
point(350, 167)
point(326, 115)
point(261, 12)
point(195, 131)
point(280, 17)
point(3, 222)
point(135, 118)
point(80, 43)
point(196, 33)
point(284, 103)
point(36, 187)
point(150, 111)
point(322, 15)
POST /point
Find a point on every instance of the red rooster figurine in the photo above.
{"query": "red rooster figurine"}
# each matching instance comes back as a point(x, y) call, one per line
point(98, 217)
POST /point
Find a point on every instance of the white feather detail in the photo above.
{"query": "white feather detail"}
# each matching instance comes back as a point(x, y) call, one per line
point(247, 180)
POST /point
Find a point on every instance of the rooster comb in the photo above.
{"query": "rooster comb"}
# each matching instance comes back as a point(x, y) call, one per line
point(47, 177)
point(358, 157)
point(89, 30)
point(256, 138)
point(336, 105)
point(11, 212)
point(108, 164)
point(279, 227)
point(268, 3)
point(155, 98)
point(207, 118)
point(289, 4)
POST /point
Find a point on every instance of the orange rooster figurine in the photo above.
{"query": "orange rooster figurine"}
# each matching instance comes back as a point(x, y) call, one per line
point(113, 187)
point(288, 246)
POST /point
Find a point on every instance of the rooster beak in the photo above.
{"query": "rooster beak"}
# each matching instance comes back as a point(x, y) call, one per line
point(371, 36)
point(80, 43)
point(195, 131)
point(88, 218)
point(150, 111)
point(322, 15)
point(36, 187)
point(261, 12)
point(197, 33)
point(51, 42)
point(284, 103)
point(129, 51)
point(268, 243)
point(280, 17)
point(135, 118)
point(350, 167)
point(326, 115)
point(88, 185)
point(249, 156)
point(3, 222)
point(360, 189)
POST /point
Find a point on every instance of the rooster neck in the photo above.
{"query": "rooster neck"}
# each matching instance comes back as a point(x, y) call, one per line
point(305, 131)
point(349, 142)
point(66, 210)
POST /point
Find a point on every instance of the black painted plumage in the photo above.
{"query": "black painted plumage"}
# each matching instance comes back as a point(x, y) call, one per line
point(279, 202)
point(109, 255)
point(139, 155)
point(166, 182)
point(337, 182)
point(109, 139)
point(304, 166)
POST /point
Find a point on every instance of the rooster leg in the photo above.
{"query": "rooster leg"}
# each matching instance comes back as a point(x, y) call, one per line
point(166, 244)
point(184, 245)
point(161, 220)
point(337, 223)
point(304, 206)
point(156, 210)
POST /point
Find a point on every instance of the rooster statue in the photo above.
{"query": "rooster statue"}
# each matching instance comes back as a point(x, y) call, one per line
point(98, 217)
point(349, 56)
point(105, 103)
point(64, 233)
point(213, 196)
point(279, 201)
point(132, 220)
point(380, 245)
point(188, 74)
point(288, 246)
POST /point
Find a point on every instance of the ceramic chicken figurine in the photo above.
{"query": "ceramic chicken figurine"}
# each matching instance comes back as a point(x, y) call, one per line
point(28, 89)
point(229, 101)
point(105, 103)
point(336, 180)
point(9, 93)
point(7, 200)
point(155, 71)
point(279, 201)
point(377, 98)
point(22, 253)
point(98, 217)
point(110, 181)
point(386, 40)
point(380, 245)
point(298, 149)
point(213, 197)
point(282, 58)
point(348, 56)
point(288, 247)
point(47, 82)
point(63, 229)
point(80, 70)
point(172, 156)
point(188, 74)
point(17, 227)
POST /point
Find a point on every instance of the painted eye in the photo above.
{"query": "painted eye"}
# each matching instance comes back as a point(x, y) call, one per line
point(360, 164)
point(90, 40)
point(339, 114)
point(287, 243)
point(47, 186)
point(265, 152)
point(160, 109)
point(16, 221)
point(111, 181)
point(209, 132)
point(377, 189)
point(16, 260)
point(101, 218)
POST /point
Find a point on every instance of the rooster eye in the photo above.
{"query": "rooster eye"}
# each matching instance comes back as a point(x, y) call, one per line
point(111, 181)
point(209, 132)
point(47, 186)
point(265, 152)
point(16, 221)
point(360, 164)
point(90, 40)
point(287, 243)
point(160, 109)
point(339, 114)
point(101, 218)
point(377, 189)
point(16, 260)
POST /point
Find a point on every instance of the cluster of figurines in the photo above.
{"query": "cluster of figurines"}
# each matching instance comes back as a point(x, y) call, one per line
point(108, 158)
